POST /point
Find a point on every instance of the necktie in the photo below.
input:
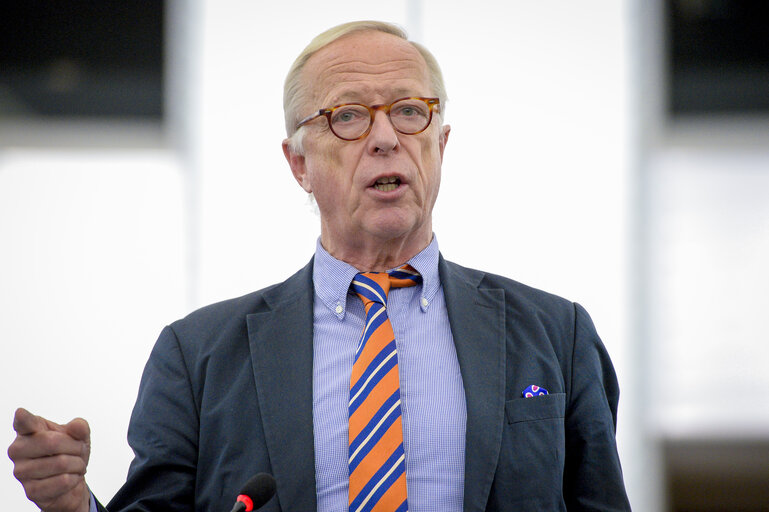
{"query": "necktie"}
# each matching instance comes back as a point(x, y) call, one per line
point(376, 457)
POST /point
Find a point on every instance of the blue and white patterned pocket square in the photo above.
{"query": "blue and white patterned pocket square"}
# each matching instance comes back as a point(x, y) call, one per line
point(533, 391)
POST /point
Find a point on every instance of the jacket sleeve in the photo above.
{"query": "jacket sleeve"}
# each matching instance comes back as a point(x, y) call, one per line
point(163, 434)
point(592, 473)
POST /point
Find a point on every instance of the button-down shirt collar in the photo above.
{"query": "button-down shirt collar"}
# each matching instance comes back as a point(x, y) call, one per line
point(332, 277)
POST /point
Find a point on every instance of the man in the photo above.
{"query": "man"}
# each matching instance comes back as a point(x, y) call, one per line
point(502, 398)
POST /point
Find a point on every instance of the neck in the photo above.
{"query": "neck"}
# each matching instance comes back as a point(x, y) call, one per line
point(376, 257)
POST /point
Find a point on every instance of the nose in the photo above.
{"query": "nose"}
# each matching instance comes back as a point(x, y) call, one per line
point(382, 138)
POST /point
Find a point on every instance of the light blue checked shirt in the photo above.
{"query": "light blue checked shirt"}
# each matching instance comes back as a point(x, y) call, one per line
point(432, 396)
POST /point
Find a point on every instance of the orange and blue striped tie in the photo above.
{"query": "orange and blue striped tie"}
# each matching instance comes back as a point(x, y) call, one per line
point(376, 458)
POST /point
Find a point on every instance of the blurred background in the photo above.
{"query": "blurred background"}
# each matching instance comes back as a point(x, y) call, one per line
point(615, 152)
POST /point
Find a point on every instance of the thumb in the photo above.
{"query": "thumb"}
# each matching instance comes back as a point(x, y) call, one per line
point(25, 423)
point(78, 429)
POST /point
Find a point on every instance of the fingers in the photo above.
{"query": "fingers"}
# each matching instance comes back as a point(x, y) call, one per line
point(25, 423)
point(39, 437)
point(64, 488)
point(50, 461)
point(46, 467)
point(44, 444)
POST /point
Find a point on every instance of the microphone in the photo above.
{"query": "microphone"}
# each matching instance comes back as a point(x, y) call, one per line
point(255, 493)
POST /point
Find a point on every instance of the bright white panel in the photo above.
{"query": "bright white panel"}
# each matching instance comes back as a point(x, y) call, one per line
point(710, 241)
point(91, 269)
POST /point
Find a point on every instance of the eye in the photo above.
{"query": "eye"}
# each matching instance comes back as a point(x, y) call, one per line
point(347, 115)
point(344, 117)
point(409, 110)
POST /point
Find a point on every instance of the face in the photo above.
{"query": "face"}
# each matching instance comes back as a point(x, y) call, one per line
point(378, 191)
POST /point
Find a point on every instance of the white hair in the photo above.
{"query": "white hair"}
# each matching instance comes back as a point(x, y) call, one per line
point(296, 93)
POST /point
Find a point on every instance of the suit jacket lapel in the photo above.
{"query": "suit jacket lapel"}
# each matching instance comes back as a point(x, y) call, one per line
point(281, 352)
point(477, 318)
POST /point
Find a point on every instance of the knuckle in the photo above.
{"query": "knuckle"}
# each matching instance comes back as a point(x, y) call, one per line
point(49, 488)
point(18, 473)
point(69, 481)
point(17, 449)
point(49, 443)
point(32, 489)
point(13, 450)
point(80, 466)
point(62, 481)
point(21, 470)
point(57, 464)
point(24, 470)
point(67, 464)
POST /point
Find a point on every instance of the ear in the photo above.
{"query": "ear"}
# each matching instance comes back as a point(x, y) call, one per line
point(443, 138)
point(298, 168)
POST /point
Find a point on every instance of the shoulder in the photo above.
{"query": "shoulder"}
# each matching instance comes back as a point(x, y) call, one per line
point(228, 317)
point(532, 318)
point(516, 294)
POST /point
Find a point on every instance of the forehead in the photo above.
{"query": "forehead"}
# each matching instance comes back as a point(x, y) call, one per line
point(366, 66)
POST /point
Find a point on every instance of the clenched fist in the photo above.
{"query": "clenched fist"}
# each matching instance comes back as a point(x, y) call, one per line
point(50, 461)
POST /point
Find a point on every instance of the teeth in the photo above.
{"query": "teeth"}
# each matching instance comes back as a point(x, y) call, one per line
point(387, 183)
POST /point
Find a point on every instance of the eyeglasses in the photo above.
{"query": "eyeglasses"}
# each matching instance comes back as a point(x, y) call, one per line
point(353, 121)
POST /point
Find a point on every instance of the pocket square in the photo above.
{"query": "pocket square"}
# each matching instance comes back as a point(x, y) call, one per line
point(533, 391)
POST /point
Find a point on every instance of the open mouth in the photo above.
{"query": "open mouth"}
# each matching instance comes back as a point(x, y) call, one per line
point(387, 184)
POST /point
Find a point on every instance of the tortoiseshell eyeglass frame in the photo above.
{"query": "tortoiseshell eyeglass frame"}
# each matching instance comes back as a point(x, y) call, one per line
point(432, 104)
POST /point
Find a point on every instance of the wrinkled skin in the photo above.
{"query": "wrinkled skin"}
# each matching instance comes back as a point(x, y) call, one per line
point(50, 461)
point(367, 227)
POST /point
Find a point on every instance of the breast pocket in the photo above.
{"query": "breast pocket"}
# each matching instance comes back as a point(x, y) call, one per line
point(546, 407)
point(530, 470)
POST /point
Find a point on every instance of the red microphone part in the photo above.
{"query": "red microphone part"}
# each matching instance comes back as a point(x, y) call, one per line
point(246, 501)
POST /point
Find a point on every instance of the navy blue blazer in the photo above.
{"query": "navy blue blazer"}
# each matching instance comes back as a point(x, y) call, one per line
point(227, 393)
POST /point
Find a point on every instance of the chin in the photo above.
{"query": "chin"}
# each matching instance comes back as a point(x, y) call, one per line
point(390, 227)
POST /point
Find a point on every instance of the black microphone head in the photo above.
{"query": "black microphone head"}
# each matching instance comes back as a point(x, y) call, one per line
point(260, 488)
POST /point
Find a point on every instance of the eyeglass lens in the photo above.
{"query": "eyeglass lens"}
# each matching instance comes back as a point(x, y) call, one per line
point(407, 116)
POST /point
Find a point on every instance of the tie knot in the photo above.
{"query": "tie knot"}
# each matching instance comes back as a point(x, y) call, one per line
point(374, 286)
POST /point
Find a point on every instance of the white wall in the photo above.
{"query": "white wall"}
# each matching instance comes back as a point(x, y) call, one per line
point(709, 225)
point(702, 273)
point(92, 266)
point(536, 186)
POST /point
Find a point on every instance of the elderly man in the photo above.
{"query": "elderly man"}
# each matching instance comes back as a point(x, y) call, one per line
point(380, 376)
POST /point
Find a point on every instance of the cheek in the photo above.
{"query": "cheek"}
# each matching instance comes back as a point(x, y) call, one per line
point(431, 163)
point(430, 147)
point(323, 164)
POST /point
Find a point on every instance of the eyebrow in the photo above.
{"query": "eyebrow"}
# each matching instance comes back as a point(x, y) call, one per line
point(356, 96)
